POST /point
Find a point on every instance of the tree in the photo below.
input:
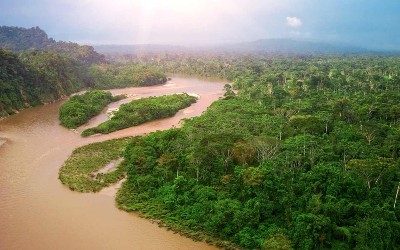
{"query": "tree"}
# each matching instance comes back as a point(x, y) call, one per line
point(228, 91)
point(276, 241)
point(266, 147)
point(371, 170)
point(244, 151)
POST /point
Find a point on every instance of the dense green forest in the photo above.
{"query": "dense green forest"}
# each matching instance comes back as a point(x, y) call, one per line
point(142, 110)
point(271, 67)
point(80, 108)
point(40, 70)
point(106, 76)
point(36, 77)
point(22, 39)
point(306, 156)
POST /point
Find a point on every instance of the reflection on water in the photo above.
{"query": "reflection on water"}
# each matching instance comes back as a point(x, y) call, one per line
point(38, 212)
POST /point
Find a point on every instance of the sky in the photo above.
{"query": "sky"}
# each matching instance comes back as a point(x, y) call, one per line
point(373, 24)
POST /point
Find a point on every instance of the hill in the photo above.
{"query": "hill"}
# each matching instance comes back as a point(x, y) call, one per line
point(20, 39)
point(292, 46)
point(36, 77)
point(138, 48)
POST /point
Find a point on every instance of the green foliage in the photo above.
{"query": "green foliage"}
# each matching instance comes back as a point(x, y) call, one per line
point(35, 77)
point(304, 157)
point(106, 76)
point(45, 70)
point(80, 108)
point(15, 38)
point(21, 39)
point(277, 242)
point(141, 111)
point(79, 171)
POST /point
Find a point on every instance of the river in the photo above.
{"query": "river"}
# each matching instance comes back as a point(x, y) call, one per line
point(38, 212)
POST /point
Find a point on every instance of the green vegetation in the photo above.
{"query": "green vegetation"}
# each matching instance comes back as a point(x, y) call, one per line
point(141, 111)
point(79, 171)
point(34, 78)
point(43, 70)
point(106, 76)
point(22, 39)
point(16, 39)
point(80, 108)
point(306, 155)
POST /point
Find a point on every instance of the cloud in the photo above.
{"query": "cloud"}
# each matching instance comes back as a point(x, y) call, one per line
point(293, 21)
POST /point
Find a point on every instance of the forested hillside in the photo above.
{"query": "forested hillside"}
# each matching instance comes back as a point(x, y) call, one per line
point(36, 77)
point(306, 156)
point(21, 39)
point(41, 70)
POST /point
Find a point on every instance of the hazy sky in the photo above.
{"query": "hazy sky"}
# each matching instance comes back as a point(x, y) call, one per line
point(367, 23)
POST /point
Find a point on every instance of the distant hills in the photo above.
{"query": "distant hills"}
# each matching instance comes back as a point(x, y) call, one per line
point(138, 48)
point(291, 46)
point(265, 46)
point(21, 39)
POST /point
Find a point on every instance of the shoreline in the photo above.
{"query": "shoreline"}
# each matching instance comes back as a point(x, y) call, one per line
point(197, 236)
point(115, 188)
point(165, 84)
point(81, 91)
point(36, 170)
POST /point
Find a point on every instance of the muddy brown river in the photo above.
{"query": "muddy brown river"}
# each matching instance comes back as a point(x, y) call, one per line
point(38, 212)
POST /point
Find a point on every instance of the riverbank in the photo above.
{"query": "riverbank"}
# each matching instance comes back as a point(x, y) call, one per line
point(82, 172)
point(141, 111)
point(198, 76)
point(152, 212)
point(30, 161)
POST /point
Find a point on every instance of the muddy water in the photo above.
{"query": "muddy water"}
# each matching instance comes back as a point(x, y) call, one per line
point(38, 212)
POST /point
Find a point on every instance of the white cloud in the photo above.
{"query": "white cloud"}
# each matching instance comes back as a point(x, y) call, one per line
point(293, 21)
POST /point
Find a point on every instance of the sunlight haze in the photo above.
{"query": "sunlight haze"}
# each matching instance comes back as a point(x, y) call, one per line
point(370, 24)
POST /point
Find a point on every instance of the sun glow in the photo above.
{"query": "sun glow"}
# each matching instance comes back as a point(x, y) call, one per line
point(176, 5)
point(172, 21)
